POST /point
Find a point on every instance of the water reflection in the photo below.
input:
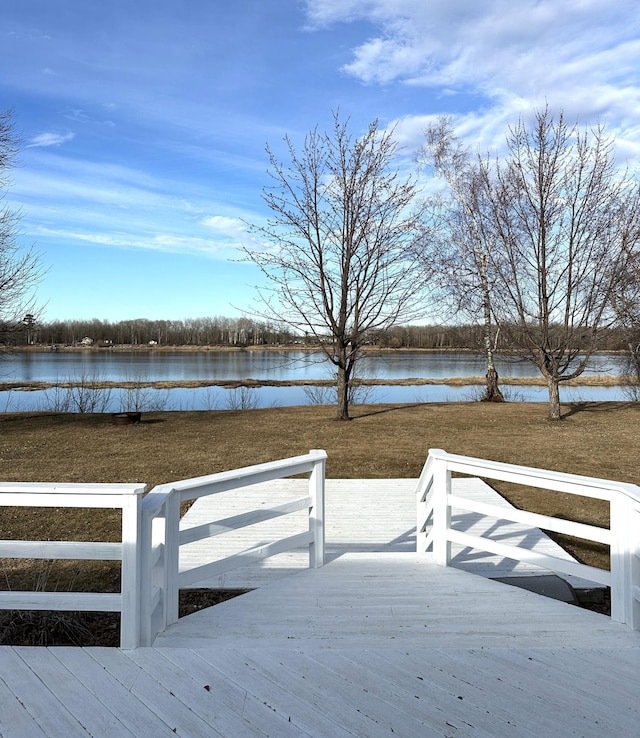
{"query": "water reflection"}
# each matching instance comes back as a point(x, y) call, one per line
point(158, 366)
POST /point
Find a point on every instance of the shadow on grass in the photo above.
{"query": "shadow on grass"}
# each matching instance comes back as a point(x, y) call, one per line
point(574, 408)
point(373, 410)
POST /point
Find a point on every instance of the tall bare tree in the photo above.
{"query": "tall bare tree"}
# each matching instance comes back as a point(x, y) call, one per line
point(463, 236)
point(20, 268)
point(566, 218)
point(339, 252)
point(626, 306)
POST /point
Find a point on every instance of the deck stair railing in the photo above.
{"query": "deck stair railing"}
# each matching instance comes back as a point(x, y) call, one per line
point(435, 501)
point(126, 497)
point(162, 537)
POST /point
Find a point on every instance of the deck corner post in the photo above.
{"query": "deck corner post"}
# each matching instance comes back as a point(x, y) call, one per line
point(131, 572)
point(625, 569)
point(317, 511)
point(441, 512)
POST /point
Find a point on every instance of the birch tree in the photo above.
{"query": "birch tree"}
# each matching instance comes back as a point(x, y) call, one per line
point(339, 252)
point(462, 243)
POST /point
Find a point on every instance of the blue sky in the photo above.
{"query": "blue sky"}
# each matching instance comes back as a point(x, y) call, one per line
point(144, 123)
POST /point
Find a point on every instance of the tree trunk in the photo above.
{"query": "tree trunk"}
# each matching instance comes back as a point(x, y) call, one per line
point(554, 399)
point(492, 391)
point(343, 394)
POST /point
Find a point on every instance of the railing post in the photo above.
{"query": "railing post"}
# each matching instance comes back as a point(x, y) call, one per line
point(424, 493)
point(634, 555)
point(131, 571)
point(145, 579)
point(172, 553)
point(316, 512)
point(441, 512)
point(625, 574)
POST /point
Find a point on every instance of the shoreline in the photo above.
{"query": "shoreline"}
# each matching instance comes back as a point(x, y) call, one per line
point(285, 347)
point(215, 348)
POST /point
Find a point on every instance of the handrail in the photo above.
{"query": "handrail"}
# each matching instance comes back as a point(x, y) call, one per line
point(126, 497)
point(434, 528)
point(162, 538)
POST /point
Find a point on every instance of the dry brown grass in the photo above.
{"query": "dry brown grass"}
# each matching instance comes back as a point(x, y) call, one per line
point(383, 441)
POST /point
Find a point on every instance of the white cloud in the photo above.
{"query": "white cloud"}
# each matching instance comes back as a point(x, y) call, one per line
point(165, 242)
point(221, 224)
point(50, 139)
point(582, 56)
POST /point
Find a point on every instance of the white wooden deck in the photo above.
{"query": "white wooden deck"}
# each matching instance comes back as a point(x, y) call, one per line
point(362, 515)
point(384, 644)
point(379, 642)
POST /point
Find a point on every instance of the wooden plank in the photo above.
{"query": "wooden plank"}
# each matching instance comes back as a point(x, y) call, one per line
point(557, 564)
point(575, 703)
point(15, 721)
point(559, 525)
point(71, 689)
point(191, 489)
point(206, 694)
point(255, 712)
point(291, 708)
point(572, 666)
point(89, 601)
point(356, 696)
point(127, 686)
point(451, 694)
point(96, 667)
point(61, 550)
point(419, 702)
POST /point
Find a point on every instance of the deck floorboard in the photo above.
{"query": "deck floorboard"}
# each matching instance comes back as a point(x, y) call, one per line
point(362, 515)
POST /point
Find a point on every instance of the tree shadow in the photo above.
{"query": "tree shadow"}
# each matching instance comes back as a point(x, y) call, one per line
point(372, 410)
point(575, 408)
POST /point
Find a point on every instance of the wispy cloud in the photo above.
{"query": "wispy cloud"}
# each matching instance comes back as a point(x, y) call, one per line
point(579, 55)
point(170, 243)
point(50, 139)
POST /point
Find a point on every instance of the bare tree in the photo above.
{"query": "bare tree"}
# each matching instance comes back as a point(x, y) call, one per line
point(566, 218)
point(626, 306)
point(340, 254)
point(20, 269)
point(463, 236)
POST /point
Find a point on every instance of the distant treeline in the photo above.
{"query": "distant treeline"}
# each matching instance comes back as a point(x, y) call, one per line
point(245, 332)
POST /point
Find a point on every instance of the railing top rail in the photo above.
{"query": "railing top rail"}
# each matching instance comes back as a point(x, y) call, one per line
point(532, 475)
point(70, 488)
point(200, 486)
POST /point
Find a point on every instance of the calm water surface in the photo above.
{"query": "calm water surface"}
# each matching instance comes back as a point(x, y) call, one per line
point(283, 366)
point(175, 366)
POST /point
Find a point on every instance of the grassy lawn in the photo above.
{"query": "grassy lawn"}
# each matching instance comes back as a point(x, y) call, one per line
point(382, 441)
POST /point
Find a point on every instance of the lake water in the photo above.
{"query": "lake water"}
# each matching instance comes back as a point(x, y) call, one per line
point(282, 366)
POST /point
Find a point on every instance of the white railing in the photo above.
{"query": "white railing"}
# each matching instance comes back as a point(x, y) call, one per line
point(126, 497)
point(435, 501)
point(162, 537)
